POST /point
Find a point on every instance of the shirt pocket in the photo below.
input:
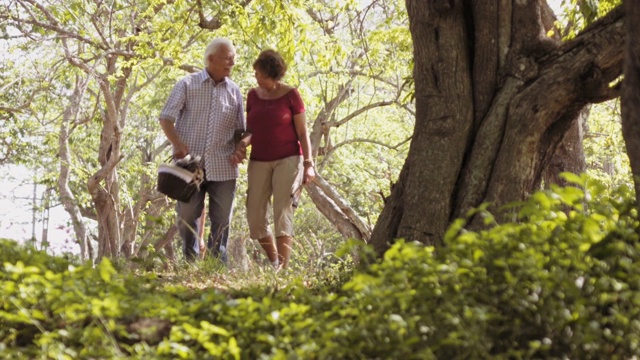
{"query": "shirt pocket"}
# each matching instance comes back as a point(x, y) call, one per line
point(225, 124)
point(228, 114)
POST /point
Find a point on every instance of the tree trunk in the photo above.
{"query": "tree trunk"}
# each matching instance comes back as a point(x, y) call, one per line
point(494, 99)
point(107, 212)
point(67, 198)
point(569, 155)
point(103, 186)
point(631, 93)
point(444, 120)
point(146, 195)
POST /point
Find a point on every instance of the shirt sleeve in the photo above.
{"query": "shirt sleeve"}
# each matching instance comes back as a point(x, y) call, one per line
point(297, 105)
point(175, 102)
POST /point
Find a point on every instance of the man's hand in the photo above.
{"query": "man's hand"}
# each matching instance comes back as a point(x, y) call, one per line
point(180, 150)
point(239, 154)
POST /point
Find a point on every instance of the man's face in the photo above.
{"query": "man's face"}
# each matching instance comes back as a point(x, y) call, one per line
point(221, 62)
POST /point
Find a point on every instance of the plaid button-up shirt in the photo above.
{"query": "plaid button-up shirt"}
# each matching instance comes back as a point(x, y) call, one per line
point(206, 115)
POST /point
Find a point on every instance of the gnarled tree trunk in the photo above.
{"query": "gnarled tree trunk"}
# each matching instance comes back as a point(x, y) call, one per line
point(104, 185)
point(494, 98)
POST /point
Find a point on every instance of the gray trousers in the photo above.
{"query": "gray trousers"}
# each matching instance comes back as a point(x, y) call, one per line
point(221, 195)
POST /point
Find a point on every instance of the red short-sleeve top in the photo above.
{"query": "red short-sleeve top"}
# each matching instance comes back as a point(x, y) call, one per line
point(270, 122)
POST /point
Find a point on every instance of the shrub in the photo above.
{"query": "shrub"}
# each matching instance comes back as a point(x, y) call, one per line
point(560, 282)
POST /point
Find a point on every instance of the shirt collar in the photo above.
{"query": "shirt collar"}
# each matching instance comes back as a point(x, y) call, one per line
point(204, 76)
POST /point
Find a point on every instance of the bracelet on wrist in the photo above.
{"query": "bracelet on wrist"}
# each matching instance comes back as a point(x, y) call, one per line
point(307, 163)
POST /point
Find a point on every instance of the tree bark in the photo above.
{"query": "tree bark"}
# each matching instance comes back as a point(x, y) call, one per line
point(67, 198)
point(631, 93)
point(337, 210)
point(494, 99)
point(545, 107)
point(444, 121)
point(104, 186)
point(569, 154)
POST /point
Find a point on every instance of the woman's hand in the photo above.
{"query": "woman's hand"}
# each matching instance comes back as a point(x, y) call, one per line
point(309, 173)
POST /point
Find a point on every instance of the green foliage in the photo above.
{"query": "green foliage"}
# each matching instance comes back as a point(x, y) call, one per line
point(578, 14)
point(560, 282)
point(604, 146)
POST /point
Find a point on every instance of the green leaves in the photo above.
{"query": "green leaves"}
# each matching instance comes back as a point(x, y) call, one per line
point(577, 14)
point(547, 286)
point(106, 269)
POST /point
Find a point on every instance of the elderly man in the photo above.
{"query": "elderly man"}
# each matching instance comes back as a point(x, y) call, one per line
point(202, 114)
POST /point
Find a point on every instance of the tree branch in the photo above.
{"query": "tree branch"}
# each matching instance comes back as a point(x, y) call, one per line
point(337, 210)
point(214, 23)
point(358, 112)
point(371, 141)
point(53, 25)
point(593, 59)
point(354, 73)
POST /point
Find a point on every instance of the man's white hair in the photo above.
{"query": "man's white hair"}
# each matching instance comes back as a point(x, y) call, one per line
point(214, 46)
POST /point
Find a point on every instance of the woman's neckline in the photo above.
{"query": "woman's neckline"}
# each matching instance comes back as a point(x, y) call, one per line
point(286, 90)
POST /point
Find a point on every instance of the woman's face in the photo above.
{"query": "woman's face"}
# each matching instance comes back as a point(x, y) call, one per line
point(264, 81)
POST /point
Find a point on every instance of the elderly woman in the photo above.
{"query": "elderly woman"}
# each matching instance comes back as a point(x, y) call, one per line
point(280, 156)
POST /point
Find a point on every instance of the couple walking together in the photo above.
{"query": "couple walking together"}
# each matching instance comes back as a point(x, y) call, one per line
point(203, 116)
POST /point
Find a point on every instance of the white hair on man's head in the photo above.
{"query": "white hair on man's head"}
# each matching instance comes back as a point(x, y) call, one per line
point(215, 46)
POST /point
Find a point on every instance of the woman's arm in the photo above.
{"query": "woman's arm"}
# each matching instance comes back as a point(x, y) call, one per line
point(300, 122)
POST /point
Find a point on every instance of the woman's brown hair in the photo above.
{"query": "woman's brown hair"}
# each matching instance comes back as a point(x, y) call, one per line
point(271, 64)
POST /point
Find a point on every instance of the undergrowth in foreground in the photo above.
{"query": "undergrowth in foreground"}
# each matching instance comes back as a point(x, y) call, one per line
point(561, 282)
